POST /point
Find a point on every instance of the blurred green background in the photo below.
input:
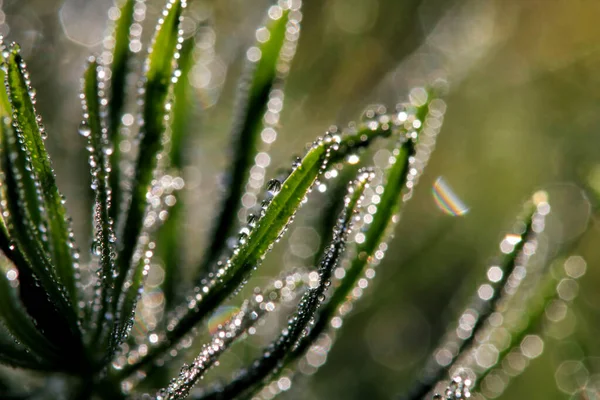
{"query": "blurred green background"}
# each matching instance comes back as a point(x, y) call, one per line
point(523, 115)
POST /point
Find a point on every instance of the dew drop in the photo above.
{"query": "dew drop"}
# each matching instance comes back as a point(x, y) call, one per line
point(84, 129)
point(274, 186)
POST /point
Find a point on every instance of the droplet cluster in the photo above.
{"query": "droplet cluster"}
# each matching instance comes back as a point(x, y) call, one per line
point(253, 310)
point(270, 119)
point(45, 216)
point(301, 322)
point(103, 245)
point(465, 340)
point(458, 389)
point(419, 133)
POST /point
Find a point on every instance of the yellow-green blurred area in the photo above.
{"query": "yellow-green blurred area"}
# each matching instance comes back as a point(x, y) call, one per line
point(523, 114)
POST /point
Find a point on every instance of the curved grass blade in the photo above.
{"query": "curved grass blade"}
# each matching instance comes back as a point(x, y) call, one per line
point(537, 317)
point(419, 122)
point(396, 179)
point(268, 63)
point(298, 324)
point(43, 296)
point(255, 241)
point(283, 290)
point(36, 300)
point(517, 247)
point(18, 322)
point(252, 311)
point(14, 354)
point(167, 186)
point(21, 190)
point(31, 133)
point(159, 79)
point(96, 133)
point(170, 234)
point(117, 85)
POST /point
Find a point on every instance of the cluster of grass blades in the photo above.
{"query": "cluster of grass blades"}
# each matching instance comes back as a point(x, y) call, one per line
point(73, 322)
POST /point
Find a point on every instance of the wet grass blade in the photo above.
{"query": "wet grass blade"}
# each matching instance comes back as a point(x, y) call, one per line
point(275, 354)
point(14, 354)
point(263, 60)
point(536, 318)
point(254, 244)
point(18, 322)
point(93, 128)
point(119, 68)
point(399, 180)
point(128, 303)
point(159, 78)
point(252, 311)
point(42, 294)
point(517, 247)
point(169, 242)
point(31, 135)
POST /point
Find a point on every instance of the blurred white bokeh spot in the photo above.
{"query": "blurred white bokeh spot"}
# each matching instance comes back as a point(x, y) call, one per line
point(81, 21)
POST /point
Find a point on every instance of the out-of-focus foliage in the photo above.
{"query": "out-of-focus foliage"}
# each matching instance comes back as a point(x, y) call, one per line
point(523, 115)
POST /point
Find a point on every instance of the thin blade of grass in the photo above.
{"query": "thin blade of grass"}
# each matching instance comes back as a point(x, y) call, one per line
point(14, 354)
point(516, 247)
point(26, 242)
point(420, 122)
point(30, 133)
point(119, 68)
point(537, 318)
point(255, 242)
point(43, 295)
point(264, 74)
point(169, 242)
point(93, 128)
point(159, 79)
point(298, 323)
point(18, 322)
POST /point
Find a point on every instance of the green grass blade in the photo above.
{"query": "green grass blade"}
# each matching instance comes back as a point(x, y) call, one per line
point(265, 73)
point(31, 135)
point(169, 242)
point(419, 122)
point(36, 300)
point(168, 246)
point(158, 83)
point(516, 250)
point(535, 316)
point(127, 305)
point(274, 355)
point(255, 242)
point(93, 128)
point(119, 68)
point(18, 322)
point(14, 354)
point(43, 295)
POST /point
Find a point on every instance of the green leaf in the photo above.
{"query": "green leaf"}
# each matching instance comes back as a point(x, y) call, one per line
point(14, 354)
point(43, 295)
point(169, 242)
point(160, 67)
point(274, 355)
point(119, 68)
point(533, 317)
point(254, 245)
point(99, 147)
point(378, 231)
point(253, 96)
point(18, 322)
point(516, 250)
point(30, 134)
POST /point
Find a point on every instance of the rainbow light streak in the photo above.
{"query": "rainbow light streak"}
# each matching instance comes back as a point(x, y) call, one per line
point(221, 317)
point(446, 199)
